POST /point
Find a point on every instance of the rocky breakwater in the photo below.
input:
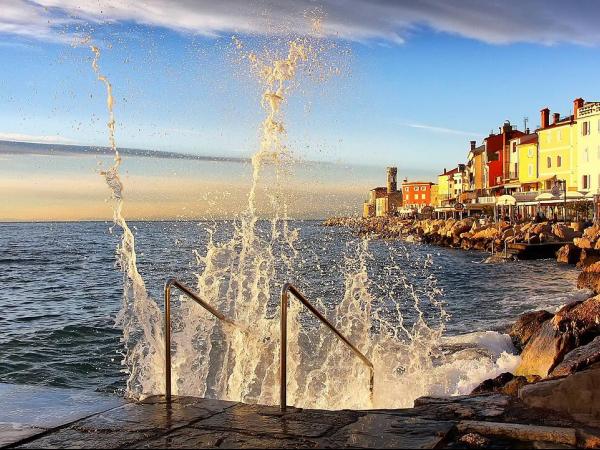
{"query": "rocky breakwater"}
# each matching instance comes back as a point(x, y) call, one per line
point(559, 370)
point(467, 233)
point(585, 253)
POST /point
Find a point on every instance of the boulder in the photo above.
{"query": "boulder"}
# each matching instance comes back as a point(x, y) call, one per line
point(583, 242)
point(579, 319)
point(474, 440)
point(578, 359)
point(545, 349)
point(526, 326)
point(568, 254)
point(589, 280)
point(493, 384)
point(541, 228)
point(592, 233)
point(565, 233)
point(587, 258)
point(577, 395)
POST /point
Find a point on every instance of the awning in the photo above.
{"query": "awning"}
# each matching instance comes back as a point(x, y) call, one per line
point(590, 195)
point(573, 195)
point(546, 196)
point(512, 185)
point(506, 200)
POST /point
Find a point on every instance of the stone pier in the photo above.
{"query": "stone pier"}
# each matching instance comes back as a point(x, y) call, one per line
point(58, 418)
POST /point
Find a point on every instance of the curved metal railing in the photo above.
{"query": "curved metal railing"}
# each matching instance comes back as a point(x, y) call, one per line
point(172, 282)
point(285, 290)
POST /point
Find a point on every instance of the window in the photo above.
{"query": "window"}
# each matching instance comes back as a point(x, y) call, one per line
point(558, 161)
point(585, 182)
point(559, 135)
point(549, 137)
point(530, 152)
point(422, 196)
point(407, 189)
point(549, 162)
point(585, 128)
point(586, 155)
point(530, 170)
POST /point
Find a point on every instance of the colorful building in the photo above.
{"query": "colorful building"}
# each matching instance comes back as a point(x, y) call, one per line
point(446, 185)
point(497, 154)
point(416, 194)
point(588, 148)
point(557, 148)
point(527, 161)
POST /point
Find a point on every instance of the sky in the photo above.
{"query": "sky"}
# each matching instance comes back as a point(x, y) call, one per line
point(415, 82)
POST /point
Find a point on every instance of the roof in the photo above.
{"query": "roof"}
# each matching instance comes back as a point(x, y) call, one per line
point(529, 139)
point(380, 188)
point(417, 182)
point(450, 172)
point(478, 150)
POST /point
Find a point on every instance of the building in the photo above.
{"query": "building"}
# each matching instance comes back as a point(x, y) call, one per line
point(588, 148)
point(497, 159)
point(527, 161)
point(450, 185)
point(384, 201)
point(557, 148)
point(417, 194)
point(475, 169)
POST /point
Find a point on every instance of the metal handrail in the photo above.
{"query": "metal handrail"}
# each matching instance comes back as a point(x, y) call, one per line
point(172, 282)
point(283, 330)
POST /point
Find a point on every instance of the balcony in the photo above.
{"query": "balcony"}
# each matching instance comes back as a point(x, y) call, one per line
point(486, 200)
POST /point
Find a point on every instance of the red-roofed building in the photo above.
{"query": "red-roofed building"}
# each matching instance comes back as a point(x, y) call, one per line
point(498, 157)
point(416, 194)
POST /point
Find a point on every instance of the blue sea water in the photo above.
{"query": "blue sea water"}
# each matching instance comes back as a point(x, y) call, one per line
point(61, 289)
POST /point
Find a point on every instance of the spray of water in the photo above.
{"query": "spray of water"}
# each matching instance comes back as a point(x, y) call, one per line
point(139, 316)
point(393, 315)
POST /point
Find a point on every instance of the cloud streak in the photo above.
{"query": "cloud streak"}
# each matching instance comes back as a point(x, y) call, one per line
point(441, 130)
point(544, 22)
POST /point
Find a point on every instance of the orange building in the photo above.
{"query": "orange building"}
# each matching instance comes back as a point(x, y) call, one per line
point(416, 194)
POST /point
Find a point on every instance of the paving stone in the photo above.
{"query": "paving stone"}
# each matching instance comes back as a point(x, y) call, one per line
point(15, 432)
point(389, 431)
point(136, 417)
point(264, 420)
point(195, 438)
point(73, 438)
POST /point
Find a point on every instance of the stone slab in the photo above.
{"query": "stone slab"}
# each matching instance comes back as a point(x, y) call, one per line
point(30, 410)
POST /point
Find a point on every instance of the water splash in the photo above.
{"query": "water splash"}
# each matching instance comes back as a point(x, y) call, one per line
point(393, 315)
point(139, 316)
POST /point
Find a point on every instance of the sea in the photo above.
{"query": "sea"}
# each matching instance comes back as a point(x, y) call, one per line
point(61, 290)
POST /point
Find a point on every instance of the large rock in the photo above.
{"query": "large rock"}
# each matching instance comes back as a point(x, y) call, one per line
point(587, 258)
point(579, 319)
point(568, 254)
point(589, 280)
point(545, 349)
point(578, 359)
point(564, 233)
point(526, 326)
point(583, 242)
point(577, 395)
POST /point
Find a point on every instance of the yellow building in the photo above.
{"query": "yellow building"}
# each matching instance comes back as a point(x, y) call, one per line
point(384, 201)
point(588, 148)
point(557, 149)
point(434, 195)
point(527, 162)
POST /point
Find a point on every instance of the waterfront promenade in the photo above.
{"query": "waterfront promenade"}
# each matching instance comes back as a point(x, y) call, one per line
point(488, 419)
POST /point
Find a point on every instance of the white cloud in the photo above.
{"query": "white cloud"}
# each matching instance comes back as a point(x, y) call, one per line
point(35, 139)
point(442, 130)
point(492, 21)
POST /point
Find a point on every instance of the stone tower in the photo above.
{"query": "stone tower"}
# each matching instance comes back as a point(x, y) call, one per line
point(392, 185)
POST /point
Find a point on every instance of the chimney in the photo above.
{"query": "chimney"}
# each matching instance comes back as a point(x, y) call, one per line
point(527, 130)
point(577, 103)
point(545, 118)
point(392, 185)
point(444, 171)
point(555, 118)
point(473, 143)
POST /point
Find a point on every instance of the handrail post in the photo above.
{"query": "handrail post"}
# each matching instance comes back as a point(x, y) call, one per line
point(168, 285)
point(285, 290)
point(190, 294)
point(283, 350)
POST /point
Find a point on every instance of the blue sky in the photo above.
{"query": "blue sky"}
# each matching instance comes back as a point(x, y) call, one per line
point(412, 93)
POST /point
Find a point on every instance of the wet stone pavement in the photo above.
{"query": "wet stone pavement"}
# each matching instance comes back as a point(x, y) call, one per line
point(51, 418)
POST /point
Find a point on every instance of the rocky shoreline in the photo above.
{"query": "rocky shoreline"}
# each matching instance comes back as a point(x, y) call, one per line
point(559, 371)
